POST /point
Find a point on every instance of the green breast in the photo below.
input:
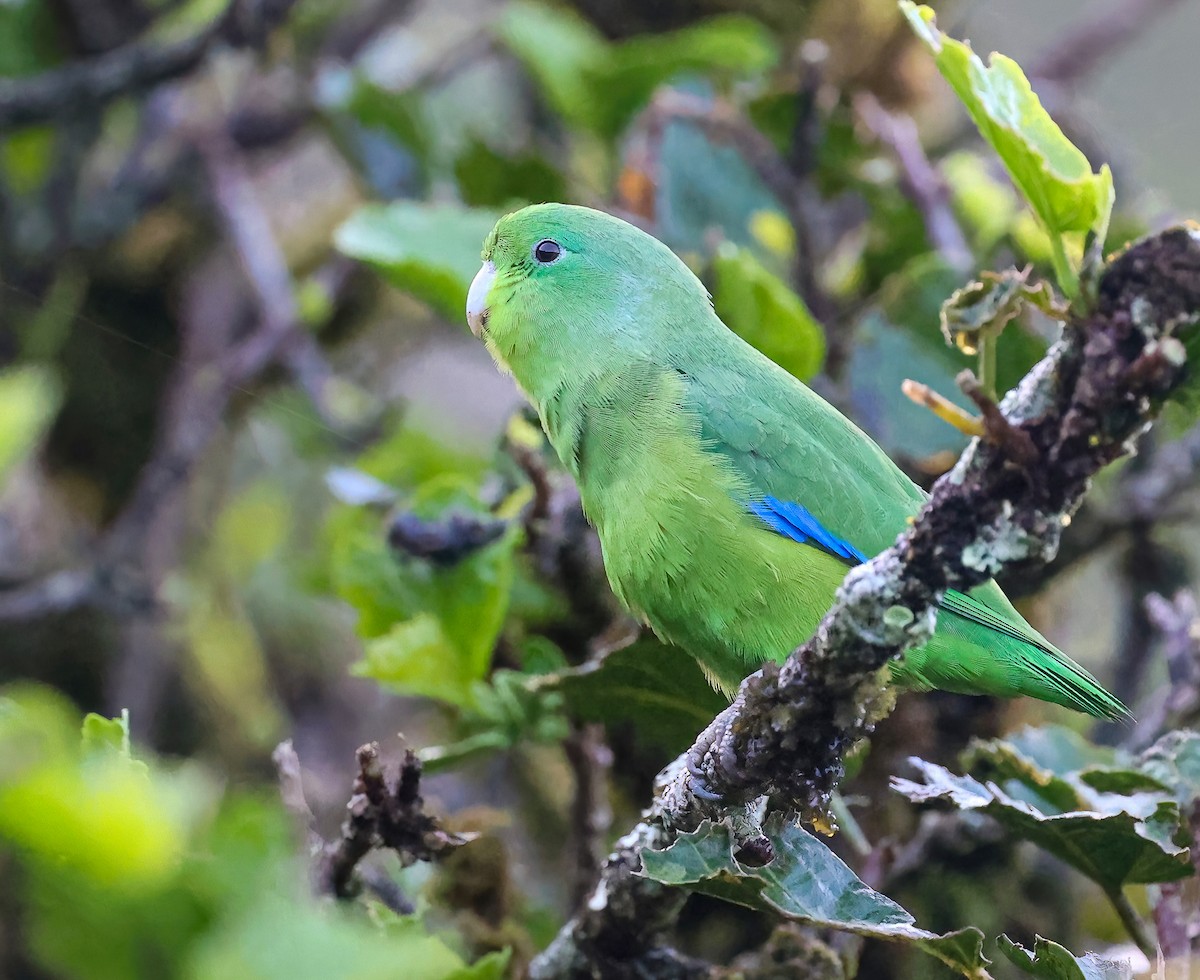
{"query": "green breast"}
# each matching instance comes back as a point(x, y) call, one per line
point(680, 548)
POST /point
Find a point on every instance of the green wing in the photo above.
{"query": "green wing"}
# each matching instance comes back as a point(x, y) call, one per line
point(786, 442)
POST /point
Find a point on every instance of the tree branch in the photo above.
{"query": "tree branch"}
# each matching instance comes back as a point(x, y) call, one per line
point(382, 813)
point(788, 729)
point(83, 87)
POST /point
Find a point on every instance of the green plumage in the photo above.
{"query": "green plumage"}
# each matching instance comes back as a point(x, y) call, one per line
point(674, 429)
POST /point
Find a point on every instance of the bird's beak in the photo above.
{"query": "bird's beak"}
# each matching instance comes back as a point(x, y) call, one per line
point(477, 309)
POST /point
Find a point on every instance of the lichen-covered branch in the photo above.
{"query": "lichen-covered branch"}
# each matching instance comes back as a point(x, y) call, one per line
point(786, 733)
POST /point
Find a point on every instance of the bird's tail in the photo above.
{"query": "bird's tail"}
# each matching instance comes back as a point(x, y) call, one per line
point(983, 646)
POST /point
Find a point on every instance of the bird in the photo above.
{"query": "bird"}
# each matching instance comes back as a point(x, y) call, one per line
point(729, 498)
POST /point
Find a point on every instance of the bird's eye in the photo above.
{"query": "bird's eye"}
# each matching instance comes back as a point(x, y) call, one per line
point(547, 251)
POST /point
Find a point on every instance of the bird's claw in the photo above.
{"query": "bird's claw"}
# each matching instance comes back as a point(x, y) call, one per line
point(700, 789)
point(699, 782)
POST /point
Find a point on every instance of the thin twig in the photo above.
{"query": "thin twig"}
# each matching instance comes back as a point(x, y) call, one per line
point(591, 816)
point(942, 407)
point(1132, 922)
point(382, 813)
point(1177, 621)
point(291, 786)
point(920, 180)
point(1014, 441)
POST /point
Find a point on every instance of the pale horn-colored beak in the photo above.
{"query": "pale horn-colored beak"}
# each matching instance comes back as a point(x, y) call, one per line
point(477, 309)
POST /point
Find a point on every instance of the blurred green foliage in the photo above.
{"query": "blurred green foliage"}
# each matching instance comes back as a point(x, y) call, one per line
point(430, 251)
point(137, 869)
point(1105, 818)
point(29, 397)
point(598, 85)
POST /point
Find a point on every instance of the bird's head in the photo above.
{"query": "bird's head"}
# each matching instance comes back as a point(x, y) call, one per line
point(562, 284)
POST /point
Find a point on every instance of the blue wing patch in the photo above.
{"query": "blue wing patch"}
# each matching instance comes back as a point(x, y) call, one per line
point(798, 523)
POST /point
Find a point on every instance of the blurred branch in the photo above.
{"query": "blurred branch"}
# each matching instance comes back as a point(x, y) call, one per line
point(83, 87)
point(786, 733)
point(920, 180)
point(788, 180)
point(58, 592)
point(445, 541)
point(383, 814)
point(1174, 468)
point(1098, 39)
point(1177, 622)
point(590, 760)
point(219, 358)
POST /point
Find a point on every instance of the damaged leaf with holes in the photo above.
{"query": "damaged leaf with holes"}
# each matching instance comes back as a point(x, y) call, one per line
point(1050, 961)
point(807, 883)
point(1107, 815)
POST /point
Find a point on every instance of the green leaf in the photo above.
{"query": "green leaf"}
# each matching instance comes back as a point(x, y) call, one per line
point(429, 250)
point(29, 37)
point(1174, 762)
point(658, 689)
point(711, 185)
point(505, 712)
point(280, 940)
point(984, 205)
point(489, 179)
point(446, 645)
point(106, 735)
point(1128, 840)
point(766, 313)
point(399, 114)
point(29, 397)
point(882, 358)
point(1050, 961)
point(806, 882)
point(108, 739)
point(1052, 173)
point(563, 52)
point(981, 309)
point(599, 85)
point(414, 657)
point(430, 629)
point(82, 805)
point(1063, 771)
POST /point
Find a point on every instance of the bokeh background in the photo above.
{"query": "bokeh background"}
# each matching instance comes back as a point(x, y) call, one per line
point(260, 483)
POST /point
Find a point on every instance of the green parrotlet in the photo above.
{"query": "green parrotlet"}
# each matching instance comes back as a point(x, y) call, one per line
point(729, 498)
